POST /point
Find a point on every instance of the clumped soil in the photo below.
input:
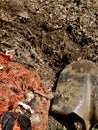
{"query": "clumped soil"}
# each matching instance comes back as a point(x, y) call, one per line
point(49, 34)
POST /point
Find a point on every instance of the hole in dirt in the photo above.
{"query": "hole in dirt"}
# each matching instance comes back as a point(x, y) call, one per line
point(32, 56)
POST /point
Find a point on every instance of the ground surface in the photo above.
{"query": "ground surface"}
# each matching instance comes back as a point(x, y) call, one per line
point(49, 34)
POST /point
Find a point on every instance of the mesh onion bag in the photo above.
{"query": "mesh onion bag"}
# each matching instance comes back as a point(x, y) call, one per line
point(18, 97)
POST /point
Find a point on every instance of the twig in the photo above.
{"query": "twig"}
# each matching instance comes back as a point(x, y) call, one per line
point(48, 96)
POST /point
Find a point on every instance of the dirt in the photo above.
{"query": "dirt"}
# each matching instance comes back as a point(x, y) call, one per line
point(47, 35)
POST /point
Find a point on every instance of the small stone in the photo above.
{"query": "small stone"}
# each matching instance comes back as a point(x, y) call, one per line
point(35, 118)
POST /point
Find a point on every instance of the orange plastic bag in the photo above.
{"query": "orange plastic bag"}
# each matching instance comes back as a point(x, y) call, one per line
point(17, 94)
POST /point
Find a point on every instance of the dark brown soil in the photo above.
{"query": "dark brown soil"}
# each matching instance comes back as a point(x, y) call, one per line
point(49, 34)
